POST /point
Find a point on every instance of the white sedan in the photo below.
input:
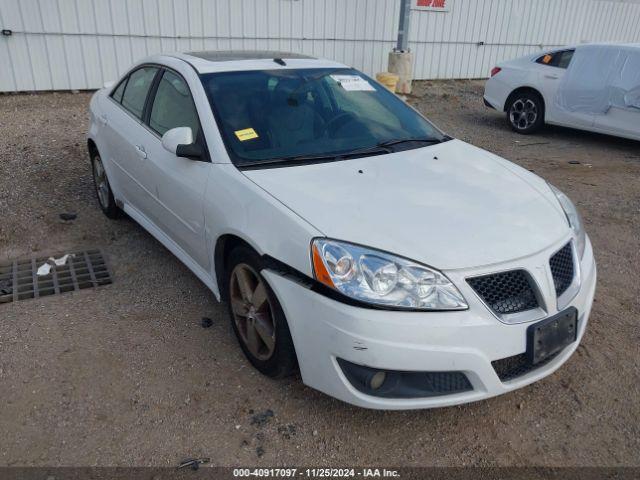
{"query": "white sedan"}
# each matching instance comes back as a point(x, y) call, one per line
point(396, 267)
point(594, 87)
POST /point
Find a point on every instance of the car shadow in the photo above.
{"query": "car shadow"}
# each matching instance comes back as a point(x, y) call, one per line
point(599, 139)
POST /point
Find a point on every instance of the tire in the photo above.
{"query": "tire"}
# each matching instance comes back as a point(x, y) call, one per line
point(104, 194)
point(257, 317)
point(525, 112)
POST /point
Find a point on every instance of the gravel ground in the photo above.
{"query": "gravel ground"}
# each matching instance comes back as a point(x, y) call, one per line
point(125, 375)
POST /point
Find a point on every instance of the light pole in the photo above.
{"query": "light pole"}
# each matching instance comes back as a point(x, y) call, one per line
point(403, 26)
point(400, 58)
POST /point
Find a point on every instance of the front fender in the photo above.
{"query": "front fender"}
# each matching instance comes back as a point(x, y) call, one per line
point(234, 205)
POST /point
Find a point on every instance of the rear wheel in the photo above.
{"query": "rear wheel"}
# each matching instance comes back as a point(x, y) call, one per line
point(103, 189)
point(525, 112)
point(257, 317)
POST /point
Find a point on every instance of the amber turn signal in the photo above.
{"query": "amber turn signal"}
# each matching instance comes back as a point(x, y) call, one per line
point(319, 269)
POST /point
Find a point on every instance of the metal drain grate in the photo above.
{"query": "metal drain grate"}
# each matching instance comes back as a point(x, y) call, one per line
point(19, 279)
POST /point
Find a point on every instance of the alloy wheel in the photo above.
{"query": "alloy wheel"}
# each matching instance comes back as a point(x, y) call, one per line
point(523, 113)
point(252, 311)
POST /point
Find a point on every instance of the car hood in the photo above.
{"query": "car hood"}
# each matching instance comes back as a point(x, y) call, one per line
point(449, 206)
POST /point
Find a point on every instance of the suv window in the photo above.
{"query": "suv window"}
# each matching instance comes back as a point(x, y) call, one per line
point(135, 92)
point(556, 59)
point(173, 106)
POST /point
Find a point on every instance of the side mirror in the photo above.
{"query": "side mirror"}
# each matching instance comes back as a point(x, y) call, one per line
point(109, 84)
point(179, 141)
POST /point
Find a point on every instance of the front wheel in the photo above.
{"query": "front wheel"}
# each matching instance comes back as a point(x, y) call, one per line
point(257, 317)
point(525, 112)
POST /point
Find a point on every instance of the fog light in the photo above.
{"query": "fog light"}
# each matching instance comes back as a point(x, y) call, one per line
point(377, 380)
point(403, 384)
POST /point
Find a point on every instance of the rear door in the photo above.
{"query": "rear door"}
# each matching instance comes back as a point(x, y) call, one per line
point(551, 69)
point(124, 130)
point(179, 183)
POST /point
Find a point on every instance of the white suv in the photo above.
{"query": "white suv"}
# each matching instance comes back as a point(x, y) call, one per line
point(397, 267)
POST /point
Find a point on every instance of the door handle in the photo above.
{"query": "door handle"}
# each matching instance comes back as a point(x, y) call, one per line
point(103, 119)
point(552, 77)
point(141, 151)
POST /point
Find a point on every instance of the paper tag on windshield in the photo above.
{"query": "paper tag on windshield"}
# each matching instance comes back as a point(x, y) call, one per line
point(353, 83)
point(246, 134)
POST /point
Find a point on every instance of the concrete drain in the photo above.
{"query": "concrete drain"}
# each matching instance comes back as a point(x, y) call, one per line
point(19, 279)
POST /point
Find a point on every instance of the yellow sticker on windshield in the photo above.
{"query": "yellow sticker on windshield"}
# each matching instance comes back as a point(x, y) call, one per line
point(246, 134)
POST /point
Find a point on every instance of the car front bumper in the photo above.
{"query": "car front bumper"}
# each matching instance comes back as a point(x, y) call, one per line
point(324, 330)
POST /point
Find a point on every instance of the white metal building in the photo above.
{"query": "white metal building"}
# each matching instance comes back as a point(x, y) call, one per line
point(80, 44)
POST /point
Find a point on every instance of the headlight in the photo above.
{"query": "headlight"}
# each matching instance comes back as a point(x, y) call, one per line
point(380, 278)
point(573, 217)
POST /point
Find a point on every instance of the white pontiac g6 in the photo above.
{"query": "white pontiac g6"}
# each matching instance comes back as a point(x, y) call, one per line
point(395, 266)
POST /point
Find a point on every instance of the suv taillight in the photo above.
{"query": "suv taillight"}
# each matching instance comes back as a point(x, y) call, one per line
point(495, 71)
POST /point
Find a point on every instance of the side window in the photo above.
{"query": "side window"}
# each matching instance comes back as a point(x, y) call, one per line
point(173, 106)
point(117, 93)
point(135, 93)
point(545, 59)
point(556, 59)
point(564, 58)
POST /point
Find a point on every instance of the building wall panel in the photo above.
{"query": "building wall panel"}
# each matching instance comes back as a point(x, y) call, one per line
point(80, 44)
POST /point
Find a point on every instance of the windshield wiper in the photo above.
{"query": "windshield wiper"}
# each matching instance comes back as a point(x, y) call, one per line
point(306, 159)
point(397, 141)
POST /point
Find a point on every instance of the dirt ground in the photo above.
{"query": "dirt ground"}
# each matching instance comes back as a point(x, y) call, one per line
point(126, 375)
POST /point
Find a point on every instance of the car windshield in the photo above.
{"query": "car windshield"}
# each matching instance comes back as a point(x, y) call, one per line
point(275, 116)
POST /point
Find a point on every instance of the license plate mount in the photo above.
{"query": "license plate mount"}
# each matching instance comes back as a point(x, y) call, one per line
point(549, 336)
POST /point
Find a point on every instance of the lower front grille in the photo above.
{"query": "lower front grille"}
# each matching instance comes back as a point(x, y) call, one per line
point(513, 367)
point(506, 292)
point(561, 264)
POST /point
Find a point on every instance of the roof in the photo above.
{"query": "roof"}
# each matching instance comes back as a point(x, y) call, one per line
point(236, 60)
point(609, 44)
point(231, 55)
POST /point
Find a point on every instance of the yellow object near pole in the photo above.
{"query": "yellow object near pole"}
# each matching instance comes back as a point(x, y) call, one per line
point(389, 80)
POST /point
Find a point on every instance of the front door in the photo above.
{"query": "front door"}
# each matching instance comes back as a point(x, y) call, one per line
point(180, 183)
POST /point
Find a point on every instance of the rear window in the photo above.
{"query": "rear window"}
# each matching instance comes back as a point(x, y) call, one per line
point(556, 59)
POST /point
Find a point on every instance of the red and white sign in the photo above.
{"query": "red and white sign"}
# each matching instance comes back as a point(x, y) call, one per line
point(432, 5)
